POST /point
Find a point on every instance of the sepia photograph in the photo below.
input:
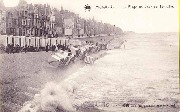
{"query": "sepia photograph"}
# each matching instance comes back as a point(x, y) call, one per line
point(89, 56)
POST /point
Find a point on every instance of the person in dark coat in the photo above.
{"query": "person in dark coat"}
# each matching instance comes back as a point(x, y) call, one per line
point(69, 51)
point(25, 49)
point(12, 48)
point(58, 46)
point(52, 47)
point(47, 48)
point(63, 47)
point(8, 49)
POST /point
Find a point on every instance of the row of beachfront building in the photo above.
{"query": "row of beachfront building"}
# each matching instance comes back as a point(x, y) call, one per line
point(43, 20)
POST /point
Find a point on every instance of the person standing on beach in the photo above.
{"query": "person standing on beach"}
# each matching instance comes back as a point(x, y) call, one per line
point(56, 48)
point(25, 49)
point(47, 47)
point(8, 49)
point(125, 44)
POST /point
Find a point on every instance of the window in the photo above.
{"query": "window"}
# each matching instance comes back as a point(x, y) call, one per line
point(26, 12)
point(14, 31)
point(3, 18)
point(9, 14)
point(9, 24)
point(15, 23)
point(24, 22)
point(24, 32)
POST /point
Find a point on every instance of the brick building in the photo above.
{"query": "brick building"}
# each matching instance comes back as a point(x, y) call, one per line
point(2, 18)
point(11, 21)
point(27, 20)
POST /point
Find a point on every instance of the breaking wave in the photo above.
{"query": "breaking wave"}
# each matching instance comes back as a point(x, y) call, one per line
point(60, 96)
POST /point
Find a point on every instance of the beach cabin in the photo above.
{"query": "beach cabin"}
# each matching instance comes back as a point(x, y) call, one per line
point(22, 41)
point(37, 41)
point(3, 40)
point(33, 41)
point(28, 41)
point(16, 40)
point(53, 41)
point(58, 41)
point(10, 39)
point(63, 41)
point(42, 42)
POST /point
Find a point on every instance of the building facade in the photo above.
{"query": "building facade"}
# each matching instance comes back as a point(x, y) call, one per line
point(43, 21)
point(2, 18)
point(2, 21)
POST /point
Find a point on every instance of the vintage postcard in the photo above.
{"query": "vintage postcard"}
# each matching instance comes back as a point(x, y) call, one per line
point(89, 56)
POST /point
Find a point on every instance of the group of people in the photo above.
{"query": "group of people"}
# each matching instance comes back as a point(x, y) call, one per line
point(56, 47)
point(68, 53)
point(13, 49)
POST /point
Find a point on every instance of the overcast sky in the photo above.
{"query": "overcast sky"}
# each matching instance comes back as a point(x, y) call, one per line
point(129, 19)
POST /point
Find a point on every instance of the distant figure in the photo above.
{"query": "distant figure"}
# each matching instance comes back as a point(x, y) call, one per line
point(56, 47)
point(96, 43)
point(8, 49)
point(47, 47)
point(25, 49)
point(53, 48)
point(69, 51)
point(125, 44)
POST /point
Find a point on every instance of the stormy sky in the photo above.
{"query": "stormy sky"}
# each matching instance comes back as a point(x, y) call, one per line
point(126, 14)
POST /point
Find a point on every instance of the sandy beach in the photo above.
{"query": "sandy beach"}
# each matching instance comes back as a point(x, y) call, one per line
point(125, 80)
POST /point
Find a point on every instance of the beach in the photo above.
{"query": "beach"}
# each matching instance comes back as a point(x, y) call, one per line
point(139, 78)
